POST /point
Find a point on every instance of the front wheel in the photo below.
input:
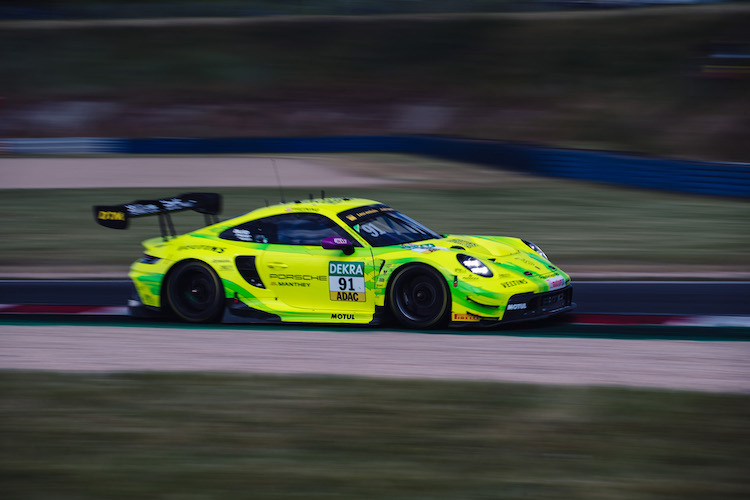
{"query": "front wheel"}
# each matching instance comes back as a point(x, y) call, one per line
point(194, 292)
point(419, 297)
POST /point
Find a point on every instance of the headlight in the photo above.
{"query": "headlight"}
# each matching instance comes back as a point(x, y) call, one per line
point(536, 249)
point(474, 265)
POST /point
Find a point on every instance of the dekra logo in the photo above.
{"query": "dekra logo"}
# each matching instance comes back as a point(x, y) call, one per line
point(346, 269)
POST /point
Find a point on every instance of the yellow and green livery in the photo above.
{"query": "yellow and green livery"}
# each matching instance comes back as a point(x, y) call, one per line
point(333, 260)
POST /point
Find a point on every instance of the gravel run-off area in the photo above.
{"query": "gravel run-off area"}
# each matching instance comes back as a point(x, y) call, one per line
point(682, 365)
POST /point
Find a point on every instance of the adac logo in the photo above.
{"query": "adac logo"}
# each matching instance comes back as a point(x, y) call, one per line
point(348, 296)
point(108, 215)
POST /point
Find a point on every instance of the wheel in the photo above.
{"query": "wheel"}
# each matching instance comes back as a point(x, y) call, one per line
point(194, 292)
point(419, 297)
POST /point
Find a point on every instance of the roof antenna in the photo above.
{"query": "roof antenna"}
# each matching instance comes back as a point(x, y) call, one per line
point(278, 179)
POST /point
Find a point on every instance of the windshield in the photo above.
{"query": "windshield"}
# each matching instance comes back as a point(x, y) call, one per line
point(381, 226)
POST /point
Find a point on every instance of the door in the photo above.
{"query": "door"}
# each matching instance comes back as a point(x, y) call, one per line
point(302, 274)
point(313, 278)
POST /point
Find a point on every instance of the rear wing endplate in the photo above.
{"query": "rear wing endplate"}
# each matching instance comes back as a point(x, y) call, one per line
point(118, 216)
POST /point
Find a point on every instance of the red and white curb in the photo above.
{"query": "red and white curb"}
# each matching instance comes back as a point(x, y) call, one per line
point(62, 309)
point(659, 320)
point(576, 319)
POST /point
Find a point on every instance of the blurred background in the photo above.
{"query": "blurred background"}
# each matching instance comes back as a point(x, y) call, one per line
point(663, 78)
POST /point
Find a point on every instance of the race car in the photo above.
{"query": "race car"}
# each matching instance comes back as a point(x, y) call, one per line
point(333, 261)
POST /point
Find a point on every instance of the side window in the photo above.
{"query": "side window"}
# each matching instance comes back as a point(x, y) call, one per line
point(305, 229)
point(286, 229)
point(254, 231)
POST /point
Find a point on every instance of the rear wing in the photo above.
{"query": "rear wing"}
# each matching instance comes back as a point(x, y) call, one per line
point(118, 216)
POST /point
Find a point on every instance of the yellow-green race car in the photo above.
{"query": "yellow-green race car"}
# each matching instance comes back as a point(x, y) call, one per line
point(333, 261)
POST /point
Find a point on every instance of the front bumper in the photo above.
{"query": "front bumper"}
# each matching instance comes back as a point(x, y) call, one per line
point(527, 307)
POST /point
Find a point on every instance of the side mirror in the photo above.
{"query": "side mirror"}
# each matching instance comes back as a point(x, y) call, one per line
point(338, 243)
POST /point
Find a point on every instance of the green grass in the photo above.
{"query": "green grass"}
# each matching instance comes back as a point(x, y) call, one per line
point(577, 223)
point(195, 436)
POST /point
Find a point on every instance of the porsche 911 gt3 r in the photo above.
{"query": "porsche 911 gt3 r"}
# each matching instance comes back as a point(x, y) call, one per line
point(334, 260)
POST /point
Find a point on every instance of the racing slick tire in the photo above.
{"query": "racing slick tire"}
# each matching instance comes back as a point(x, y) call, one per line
point(419, 297)
point(194, 292)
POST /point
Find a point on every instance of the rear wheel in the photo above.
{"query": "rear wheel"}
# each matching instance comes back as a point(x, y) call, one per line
point(194, 292)
point(419, 297)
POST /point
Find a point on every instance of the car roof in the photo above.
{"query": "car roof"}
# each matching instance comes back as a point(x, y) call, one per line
point(326, 206)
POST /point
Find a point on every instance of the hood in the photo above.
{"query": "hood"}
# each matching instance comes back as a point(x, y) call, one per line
point(479, 246)
point(512, 254)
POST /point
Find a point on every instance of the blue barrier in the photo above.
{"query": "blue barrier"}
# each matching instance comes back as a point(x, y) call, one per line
point(708, 178)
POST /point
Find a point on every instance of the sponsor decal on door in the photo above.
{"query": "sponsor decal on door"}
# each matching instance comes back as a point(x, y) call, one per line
point(346, 281)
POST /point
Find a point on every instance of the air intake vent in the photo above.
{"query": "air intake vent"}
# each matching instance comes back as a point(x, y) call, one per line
point(246, 268)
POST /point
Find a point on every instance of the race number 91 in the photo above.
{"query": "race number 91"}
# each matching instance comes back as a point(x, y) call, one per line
point(346, 281)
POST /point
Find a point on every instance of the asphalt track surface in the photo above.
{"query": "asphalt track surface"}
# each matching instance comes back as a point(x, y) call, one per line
point(668, 358)
point(592, 297)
